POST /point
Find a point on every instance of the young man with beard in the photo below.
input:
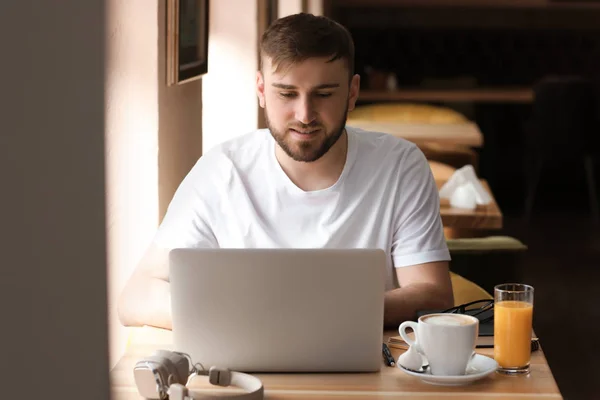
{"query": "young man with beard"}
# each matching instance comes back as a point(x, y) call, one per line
point(306, 182)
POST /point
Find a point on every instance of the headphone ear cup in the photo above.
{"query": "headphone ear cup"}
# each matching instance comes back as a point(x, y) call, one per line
point(182, 365)
point(177, 365)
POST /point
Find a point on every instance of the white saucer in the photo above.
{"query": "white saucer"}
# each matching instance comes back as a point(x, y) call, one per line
point(479, 367)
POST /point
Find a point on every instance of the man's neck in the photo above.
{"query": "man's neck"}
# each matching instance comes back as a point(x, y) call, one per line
point(319, 174)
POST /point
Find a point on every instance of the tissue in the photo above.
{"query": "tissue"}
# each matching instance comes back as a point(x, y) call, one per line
point(464, 189)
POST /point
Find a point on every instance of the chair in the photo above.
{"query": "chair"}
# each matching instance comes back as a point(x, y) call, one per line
point(487, 261)
point(466, 291)
point(563, 126)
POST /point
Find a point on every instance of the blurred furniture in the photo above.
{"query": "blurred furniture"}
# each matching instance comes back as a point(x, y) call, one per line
point(505, 45)
point(464, 223)
point(453, 155)
point(466, 291)
point(441, 171)
point(563, 126)
point(418, 123)
point(488, 261)
point(407, 113)
point(488, 217)
point(516, 94)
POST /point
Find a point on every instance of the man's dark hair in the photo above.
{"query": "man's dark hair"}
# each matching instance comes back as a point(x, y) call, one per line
point(295, 38)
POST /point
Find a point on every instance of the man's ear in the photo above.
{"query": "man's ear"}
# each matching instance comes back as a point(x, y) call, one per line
point(354, 91)
point(260, 88)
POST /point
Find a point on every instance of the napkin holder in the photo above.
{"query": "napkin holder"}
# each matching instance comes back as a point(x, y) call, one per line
point(464, 190)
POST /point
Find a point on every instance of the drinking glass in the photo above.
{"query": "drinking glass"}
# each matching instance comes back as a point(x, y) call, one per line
point(513, 315)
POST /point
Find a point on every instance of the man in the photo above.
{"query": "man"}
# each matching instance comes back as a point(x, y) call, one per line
point(306, 182)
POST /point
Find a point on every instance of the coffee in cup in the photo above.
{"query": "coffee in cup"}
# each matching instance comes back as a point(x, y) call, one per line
point(447, 319)
point(447, 340)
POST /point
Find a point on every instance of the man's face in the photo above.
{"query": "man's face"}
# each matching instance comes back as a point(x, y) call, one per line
point(306, 105)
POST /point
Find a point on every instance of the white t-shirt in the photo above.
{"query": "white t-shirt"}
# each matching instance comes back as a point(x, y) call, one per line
point(238, 196)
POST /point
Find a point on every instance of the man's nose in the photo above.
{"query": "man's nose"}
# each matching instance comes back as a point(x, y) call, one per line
point(305, 112)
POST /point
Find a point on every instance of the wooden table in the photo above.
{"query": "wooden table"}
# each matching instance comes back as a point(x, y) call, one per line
point(390, 382)
point(483, 217)
point(466, 134)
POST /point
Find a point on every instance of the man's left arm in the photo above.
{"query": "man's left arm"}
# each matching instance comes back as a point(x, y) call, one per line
point(424, 287)
point(419, 251)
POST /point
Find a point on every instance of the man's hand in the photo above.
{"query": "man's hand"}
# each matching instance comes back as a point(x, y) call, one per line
point(146, 298)
point(422, 287)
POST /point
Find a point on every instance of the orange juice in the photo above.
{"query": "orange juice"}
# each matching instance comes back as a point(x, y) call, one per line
point(512, 333)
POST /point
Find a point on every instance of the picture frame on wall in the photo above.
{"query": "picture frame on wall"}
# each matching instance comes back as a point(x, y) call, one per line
point(187, 40)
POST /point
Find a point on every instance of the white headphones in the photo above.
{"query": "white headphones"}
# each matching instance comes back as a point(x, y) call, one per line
point(165, 374)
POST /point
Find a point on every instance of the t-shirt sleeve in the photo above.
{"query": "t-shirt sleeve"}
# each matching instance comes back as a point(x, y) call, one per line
point(418, 232)
point(186, 223)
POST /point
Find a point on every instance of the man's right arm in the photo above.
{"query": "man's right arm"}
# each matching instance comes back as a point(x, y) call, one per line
point(146, 297)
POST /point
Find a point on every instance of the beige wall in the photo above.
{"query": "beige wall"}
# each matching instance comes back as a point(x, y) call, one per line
point(315, 7)
point(131, 145)
point(289, 7)
point(153, 137)
point(230, 105)
point(53, 264)
point(179, 125)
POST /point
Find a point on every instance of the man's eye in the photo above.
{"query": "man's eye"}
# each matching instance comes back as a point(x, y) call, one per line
point(324, 94)
point(287, 94)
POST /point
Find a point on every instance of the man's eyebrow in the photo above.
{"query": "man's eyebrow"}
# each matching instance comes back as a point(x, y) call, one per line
point(292, 87)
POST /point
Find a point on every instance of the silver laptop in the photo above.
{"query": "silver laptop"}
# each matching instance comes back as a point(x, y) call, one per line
point(279, 310)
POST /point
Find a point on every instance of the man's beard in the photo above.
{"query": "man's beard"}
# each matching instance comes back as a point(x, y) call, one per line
point(307, 151)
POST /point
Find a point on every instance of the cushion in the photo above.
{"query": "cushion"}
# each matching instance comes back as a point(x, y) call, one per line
point(406, 113)
point(485, 244)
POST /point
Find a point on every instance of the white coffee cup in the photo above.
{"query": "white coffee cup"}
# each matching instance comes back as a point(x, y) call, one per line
point(447, 340)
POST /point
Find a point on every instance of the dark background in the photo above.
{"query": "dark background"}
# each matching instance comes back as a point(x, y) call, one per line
point(507, 46)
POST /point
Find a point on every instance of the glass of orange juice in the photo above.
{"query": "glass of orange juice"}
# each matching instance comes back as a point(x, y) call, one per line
point(513, 315)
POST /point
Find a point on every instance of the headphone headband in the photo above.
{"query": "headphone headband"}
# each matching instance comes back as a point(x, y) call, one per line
point(165, 374)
